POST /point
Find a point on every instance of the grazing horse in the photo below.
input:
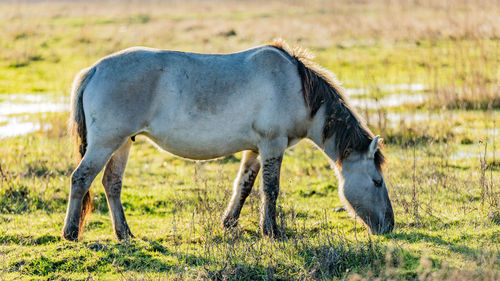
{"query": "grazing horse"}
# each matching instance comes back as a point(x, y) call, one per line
point(204, 106)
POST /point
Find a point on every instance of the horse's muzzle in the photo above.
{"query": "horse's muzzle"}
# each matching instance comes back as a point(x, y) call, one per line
point(386, 225)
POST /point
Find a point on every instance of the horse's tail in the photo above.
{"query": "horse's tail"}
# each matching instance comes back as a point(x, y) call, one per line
point(78, 131)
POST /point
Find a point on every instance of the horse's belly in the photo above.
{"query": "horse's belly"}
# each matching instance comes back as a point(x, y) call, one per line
point(202, 141)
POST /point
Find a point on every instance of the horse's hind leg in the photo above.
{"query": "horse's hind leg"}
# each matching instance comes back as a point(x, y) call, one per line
point(112, 181)
point(250, 165)
point(92, 163)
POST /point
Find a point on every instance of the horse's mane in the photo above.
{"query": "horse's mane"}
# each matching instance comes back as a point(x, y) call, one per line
point(320, 87)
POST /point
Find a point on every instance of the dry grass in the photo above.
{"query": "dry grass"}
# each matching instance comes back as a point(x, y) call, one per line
point(452, 47)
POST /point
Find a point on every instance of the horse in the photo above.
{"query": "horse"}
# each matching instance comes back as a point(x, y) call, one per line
point(203, 106)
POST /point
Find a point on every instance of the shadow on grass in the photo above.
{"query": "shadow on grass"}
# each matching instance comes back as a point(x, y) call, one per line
point(139, 256)
point(28, 240)
point(328, 260)
point(416, 237)
point(18, 198)
point(225, 258)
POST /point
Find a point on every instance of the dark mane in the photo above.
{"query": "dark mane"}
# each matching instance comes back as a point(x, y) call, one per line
point(320, 87)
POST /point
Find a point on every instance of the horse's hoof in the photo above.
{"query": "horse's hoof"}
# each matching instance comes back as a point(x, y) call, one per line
point(229, 222)
point(124, 235)
point(70, 234)
point(339, 209)
point(271, 232)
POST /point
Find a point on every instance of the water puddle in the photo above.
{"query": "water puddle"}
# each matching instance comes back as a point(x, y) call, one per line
point(12, 107)
point(393, 100)
point(403, 87)
point(395, 95)
point(396, 118)
point(386, 88)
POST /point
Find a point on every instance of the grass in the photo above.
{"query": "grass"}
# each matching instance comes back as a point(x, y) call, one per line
point(442, 170)
point(174, 207)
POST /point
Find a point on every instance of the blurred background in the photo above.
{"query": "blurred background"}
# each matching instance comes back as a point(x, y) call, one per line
point(405, 64)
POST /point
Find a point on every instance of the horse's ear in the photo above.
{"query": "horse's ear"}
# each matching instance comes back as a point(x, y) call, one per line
point(373, 147)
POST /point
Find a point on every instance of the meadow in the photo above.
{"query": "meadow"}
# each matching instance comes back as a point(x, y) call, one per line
point(425, 75)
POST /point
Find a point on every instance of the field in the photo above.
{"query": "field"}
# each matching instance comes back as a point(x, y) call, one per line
point(425, 75)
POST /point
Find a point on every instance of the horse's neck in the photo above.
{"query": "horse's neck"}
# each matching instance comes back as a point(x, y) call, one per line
point(315, 134)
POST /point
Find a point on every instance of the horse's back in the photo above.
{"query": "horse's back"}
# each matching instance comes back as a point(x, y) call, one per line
point(195, 102)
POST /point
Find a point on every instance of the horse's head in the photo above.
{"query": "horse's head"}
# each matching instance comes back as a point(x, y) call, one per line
point(362, 188)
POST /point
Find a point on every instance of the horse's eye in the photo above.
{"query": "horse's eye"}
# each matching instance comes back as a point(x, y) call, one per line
point(378, 183)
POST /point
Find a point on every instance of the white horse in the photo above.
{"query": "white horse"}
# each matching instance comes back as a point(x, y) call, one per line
point(203, 106)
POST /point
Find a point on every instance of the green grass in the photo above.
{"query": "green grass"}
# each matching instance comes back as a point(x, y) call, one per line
point(174, 207)
point(443, 186)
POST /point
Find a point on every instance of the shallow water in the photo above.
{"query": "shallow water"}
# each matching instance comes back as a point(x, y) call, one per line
point(15, 127)
point(13, 107)
point(392, 100)
point(396, 118)
point(396, 95)
point(386, 88)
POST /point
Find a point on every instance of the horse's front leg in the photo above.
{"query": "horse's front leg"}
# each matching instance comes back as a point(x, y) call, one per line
point(249, 168)
point(271, 157)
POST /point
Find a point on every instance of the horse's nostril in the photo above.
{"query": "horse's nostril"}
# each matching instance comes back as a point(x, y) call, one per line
point(382, 225)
